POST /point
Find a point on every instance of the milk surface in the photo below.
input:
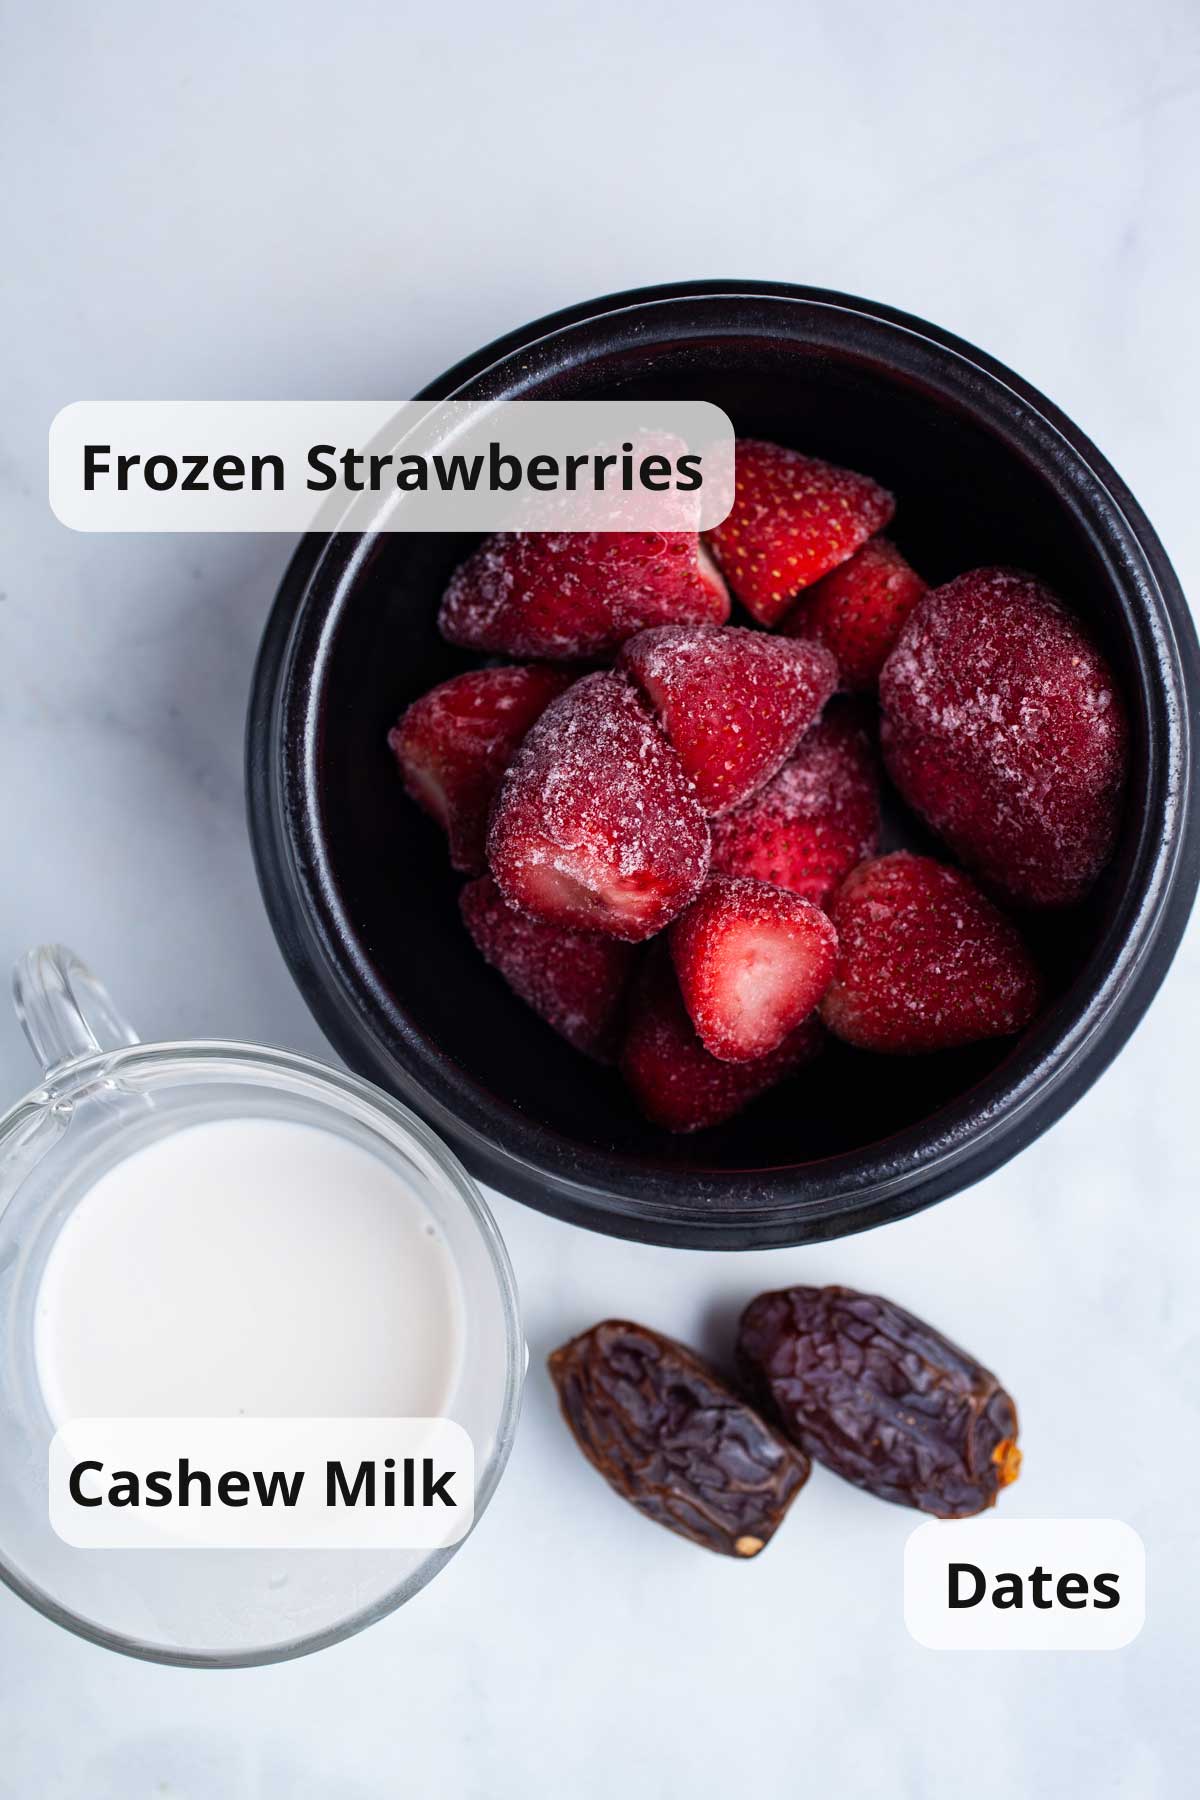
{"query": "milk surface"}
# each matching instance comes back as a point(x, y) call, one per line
point(249, 1267)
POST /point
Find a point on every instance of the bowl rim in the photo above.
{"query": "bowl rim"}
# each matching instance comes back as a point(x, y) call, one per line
point(972, 1134)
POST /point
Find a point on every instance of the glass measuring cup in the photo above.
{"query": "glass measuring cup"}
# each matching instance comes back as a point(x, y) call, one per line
point(103, 1096)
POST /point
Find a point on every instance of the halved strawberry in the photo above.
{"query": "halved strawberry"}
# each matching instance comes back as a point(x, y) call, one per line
point(673, 1078)
point(858, 611)
point(793, 519)
point(577, 595)
point(732, 702)
point(595, 825)
point(575, 980)
point(753, 962)
point(925, 961)
point(806, 829)
point(455, 742)
point(1003, 725)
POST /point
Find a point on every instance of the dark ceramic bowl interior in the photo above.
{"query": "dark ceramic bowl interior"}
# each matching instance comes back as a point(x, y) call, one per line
point(364, 902)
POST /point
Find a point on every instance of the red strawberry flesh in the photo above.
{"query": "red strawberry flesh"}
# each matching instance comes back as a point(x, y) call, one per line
point(793, 519)
point(595, 826)
point(454, 744)
point(925, 961)
point(1003, 726)
point(819, 816)
point(752, 962)
point(858, 611)
point(574, 980)
point(675, 1081)
point(733, 703)
point(577, 596)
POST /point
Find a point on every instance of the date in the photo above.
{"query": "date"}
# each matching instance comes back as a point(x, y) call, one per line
point(880, 1398)
point(675, 1440)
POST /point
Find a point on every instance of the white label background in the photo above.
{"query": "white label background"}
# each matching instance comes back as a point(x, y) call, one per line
point(217, 1445)
point(1087, 1547)
point(288, 428)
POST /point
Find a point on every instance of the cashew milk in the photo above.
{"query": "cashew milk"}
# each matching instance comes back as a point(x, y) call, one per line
point(251, 1267)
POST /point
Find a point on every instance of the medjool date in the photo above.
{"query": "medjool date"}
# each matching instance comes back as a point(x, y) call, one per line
point(880, 1398)
point(674, 1440)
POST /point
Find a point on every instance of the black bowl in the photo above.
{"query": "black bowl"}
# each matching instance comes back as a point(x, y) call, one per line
point(362, 900)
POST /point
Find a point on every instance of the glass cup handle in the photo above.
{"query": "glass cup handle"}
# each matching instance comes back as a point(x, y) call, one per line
point(65, 1013)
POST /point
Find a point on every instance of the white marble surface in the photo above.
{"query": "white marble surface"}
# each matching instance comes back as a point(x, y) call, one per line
point(306, 200)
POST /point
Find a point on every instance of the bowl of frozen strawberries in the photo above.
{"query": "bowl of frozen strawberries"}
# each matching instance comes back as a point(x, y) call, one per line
point(753, 887)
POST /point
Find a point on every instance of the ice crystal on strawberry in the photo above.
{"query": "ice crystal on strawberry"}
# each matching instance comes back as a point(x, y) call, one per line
point(574, 980)
point(595, 825)
point(925, 960)
point(575, 596)
point(454, 743)
point(733, 703)
point(1004, 728)
point(806, 829)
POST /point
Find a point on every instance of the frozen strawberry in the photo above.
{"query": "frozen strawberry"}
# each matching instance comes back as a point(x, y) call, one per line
point(575, 980)
point(595, 825)
point(794, 518)
point(674, 1080)
point(858, 611)
point(454, 744)
point(1004, 728)
point(925, 961)
point(806, 829)
point(752, 962)
point(732, 702)
point(577, 595)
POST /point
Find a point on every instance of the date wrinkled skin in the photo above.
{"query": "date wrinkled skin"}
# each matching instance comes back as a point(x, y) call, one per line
point(880, 1398)
point(675, 1440)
